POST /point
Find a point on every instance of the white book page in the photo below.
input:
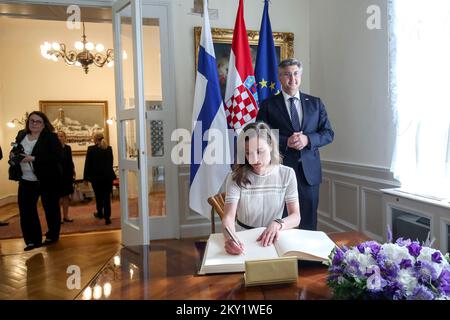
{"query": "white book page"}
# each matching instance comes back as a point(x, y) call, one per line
point(309, 243)
point(253, 250)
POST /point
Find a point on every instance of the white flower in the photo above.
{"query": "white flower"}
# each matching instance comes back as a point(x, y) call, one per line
point(407, 280)
point(395, 253)
point(425, 255)
point(364, 259)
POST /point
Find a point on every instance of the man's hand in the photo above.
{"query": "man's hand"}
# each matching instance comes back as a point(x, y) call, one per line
point(298, 141)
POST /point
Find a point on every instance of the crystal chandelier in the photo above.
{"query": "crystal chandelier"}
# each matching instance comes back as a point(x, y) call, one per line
point(83, 58)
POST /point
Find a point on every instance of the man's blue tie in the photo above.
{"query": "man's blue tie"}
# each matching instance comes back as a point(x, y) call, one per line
point(294, 115)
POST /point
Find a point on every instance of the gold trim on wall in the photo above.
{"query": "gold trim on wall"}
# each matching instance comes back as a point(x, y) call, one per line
point(80, 110)
point(284, 40)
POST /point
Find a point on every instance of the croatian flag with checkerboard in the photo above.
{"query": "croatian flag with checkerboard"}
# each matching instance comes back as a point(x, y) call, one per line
point(241, 97)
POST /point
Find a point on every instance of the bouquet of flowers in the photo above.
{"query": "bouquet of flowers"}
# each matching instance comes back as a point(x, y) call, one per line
point(401, 270)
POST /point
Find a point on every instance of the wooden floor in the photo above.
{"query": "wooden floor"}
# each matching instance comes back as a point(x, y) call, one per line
point(8, 210)
point(42, 273)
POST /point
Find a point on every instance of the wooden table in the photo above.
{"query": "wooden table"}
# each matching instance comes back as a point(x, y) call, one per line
point(167, 270)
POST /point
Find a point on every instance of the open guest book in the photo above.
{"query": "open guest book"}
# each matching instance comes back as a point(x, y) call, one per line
point(303, 244)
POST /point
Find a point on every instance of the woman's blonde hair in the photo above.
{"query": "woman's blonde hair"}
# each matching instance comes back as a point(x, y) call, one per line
point(99, 140)
point(242, 168)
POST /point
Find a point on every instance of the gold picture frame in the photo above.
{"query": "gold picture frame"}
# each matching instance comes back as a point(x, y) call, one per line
point(79, 119)
point(222, 39)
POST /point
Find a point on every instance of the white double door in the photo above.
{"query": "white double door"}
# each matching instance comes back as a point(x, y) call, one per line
point(146, 117)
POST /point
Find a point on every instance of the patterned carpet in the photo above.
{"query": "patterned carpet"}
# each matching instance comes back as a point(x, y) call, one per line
point(82, 214)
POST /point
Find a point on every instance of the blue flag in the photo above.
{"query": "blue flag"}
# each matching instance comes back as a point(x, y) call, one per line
point(266, 60)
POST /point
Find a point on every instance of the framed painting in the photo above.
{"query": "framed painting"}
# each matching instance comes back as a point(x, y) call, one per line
point(78, 119)
point(222, 38)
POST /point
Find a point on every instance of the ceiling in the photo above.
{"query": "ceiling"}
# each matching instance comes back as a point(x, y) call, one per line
point(53, 12)
point(58, 13)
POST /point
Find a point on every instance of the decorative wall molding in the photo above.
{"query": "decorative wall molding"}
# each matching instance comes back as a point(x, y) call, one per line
point(343, 203)
point(324, 208)
point(359, 172)
point(372, 227)
point(362, 199)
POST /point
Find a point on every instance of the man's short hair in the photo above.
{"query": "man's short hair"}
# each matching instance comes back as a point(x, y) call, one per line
point(291, 62)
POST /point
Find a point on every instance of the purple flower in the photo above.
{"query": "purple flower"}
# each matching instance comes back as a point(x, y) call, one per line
point(425, 272)
point(394, 290)
point(353, 268)
point(422, 293)
point(338, 256)
point(389, 234)
point(436, 257)
point(388, 268)
point(374, 246)
point(414, 249)
point(403, 243)
point(444, 281)
point(406, 263)
point(361, 247)
point(390, 275)
point(336, 269)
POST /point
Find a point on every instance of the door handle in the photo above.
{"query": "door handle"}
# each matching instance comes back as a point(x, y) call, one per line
point(139, 159)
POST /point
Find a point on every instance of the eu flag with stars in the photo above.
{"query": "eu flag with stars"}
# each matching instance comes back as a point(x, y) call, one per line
point(266, 60)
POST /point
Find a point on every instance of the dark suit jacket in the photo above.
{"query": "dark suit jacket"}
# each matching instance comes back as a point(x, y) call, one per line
point(68, 165)
point(315, 125)
point(99, 164)
point(48, 154)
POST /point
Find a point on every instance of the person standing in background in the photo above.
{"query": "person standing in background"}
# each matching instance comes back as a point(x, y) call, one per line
point(98, 170)
point(2, 223)
point(41, 168)
point(303, 128)
point(68, 177)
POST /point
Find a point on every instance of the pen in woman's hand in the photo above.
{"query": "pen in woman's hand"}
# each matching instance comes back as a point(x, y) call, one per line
point(233, 238)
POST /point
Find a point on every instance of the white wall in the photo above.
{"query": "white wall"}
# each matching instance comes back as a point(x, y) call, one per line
point(349, 71)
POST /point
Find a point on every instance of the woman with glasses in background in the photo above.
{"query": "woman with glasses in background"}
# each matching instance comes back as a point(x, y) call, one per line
point(41, 168)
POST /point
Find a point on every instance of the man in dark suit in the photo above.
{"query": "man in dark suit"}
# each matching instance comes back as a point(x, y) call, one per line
point(303, 127)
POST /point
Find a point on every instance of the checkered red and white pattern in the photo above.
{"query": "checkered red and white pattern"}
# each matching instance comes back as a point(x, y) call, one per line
point(240, 108)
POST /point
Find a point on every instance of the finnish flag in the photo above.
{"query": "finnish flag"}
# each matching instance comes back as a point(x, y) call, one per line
point(210, 156)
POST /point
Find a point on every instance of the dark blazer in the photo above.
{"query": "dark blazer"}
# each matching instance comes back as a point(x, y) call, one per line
point(315, 125)
point(48, 154)
point(99, 164)
point(68, 166)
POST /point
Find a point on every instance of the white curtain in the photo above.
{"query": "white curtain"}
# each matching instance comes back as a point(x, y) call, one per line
point(420, 94)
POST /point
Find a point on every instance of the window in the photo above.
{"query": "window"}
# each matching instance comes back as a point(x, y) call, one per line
point(420, 94)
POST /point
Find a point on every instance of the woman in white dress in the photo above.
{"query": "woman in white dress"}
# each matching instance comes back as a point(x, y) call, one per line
point(258, 188)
